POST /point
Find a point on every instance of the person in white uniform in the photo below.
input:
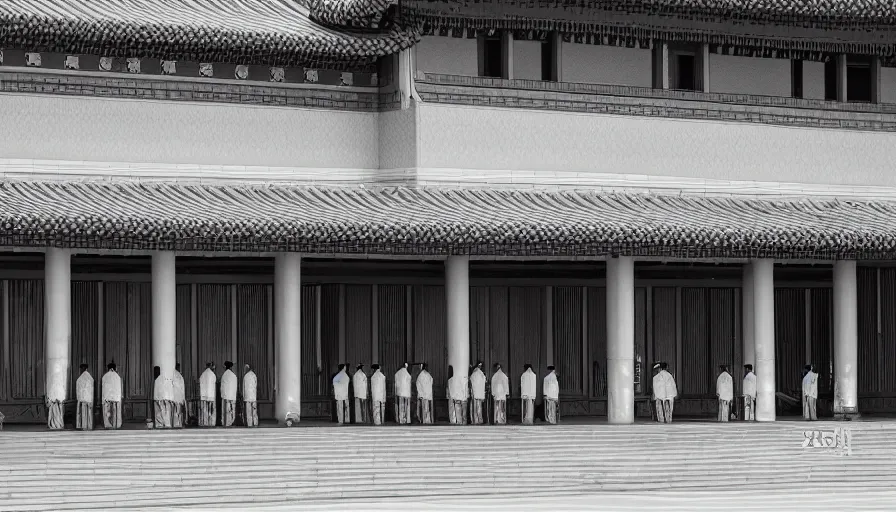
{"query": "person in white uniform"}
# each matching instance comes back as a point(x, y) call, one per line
point(84, 391)
point(749, 389)
point(179, 419)
point(250, 396)
point(229, 385)
point(207, 397)
point(477, 395)
point(111, 398)
point(551, 397)
point(500, 391)
point(163, 399)
point(340, 391)
point(810, 393)
point(528, 394)
point(725, 392)
point(424, 395)
point(664, 393)
point(403, 396)
point(378, 394)
point(362, 404)
point(457, 398)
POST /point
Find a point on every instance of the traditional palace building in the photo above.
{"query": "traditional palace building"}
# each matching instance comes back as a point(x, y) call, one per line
point(593, 184)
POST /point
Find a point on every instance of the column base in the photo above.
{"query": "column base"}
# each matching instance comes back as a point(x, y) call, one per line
point(292, 420)
point(847, 414)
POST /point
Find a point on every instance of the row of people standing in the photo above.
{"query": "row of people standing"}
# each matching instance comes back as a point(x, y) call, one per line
point(665, 392)
point(169, 402)
point(467, 395)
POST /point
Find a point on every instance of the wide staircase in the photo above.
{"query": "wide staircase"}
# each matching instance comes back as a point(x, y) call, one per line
point(332, 467)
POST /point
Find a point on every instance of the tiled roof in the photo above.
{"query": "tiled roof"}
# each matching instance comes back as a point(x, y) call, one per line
point(130, 215)
point(262, 32)
point(833, 11)
point(348, 12)
point(873, 10)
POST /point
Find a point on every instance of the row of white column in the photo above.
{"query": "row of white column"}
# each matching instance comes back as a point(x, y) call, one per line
point(759, 328)
point(287, 290)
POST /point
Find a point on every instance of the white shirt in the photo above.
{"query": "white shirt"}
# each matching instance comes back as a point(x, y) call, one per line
point(340, 385)
point(527, 384)
point(810, 385)
point(750, 385)
point(111, 387)
point(477, 382)
point(84, 388)
point(500, 385)
point(664, 386)
point(424, 385)
point(359, 382)
point(403, 383)
point(457, 388)
point(551, 387)
point(228, 385)
point(180, 390)
point(378, 386)
point(207, 382)
point(725, 387)
point(250, 387)
point(163, 389)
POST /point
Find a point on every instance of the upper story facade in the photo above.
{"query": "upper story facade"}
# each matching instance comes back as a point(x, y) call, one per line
point(734, 98)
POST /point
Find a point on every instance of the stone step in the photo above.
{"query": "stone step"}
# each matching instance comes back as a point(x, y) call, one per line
point(283, 467)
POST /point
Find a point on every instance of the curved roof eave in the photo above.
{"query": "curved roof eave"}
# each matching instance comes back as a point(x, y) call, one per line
point(261, 32)
point(411, 221)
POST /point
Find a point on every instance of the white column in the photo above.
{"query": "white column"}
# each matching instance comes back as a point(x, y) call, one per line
point(660, 65)
point(621, 340)
point(164, 312)
point(703, 67)
point(457, 295)
point(506, 57)
point(764, 337)
point(842, 89)
point(287, 337)
point(58, 322)
point(846, 342)
point(748, 322)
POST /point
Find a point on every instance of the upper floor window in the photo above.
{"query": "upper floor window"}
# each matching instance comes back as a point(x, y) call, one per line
point(684, 71)
point(491, 56)
point(858, 80)
point(686, 67)
point(796, 78)
point(549, 64)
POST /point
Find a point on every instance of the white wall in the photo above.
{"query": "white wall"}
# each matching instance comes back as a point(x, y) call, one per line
point(527, 60)
point(888, 85)
point(813, 80)
point(113, 130)
point(457, 137)
point(610, 65)
point(398, 139)
point(749, 75)
point(448, 56)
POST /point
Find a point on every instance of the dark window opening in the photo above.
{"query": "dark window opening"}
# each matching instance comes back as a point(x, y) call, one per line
point(796, 74)
point(492, 56)
point(830, 80)
point(686, 72)
point(858, 82)
point(547, 61)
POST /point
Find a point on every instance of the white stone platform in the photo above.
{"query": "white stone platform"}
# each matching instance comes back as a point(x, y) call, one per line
point(683, 466)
